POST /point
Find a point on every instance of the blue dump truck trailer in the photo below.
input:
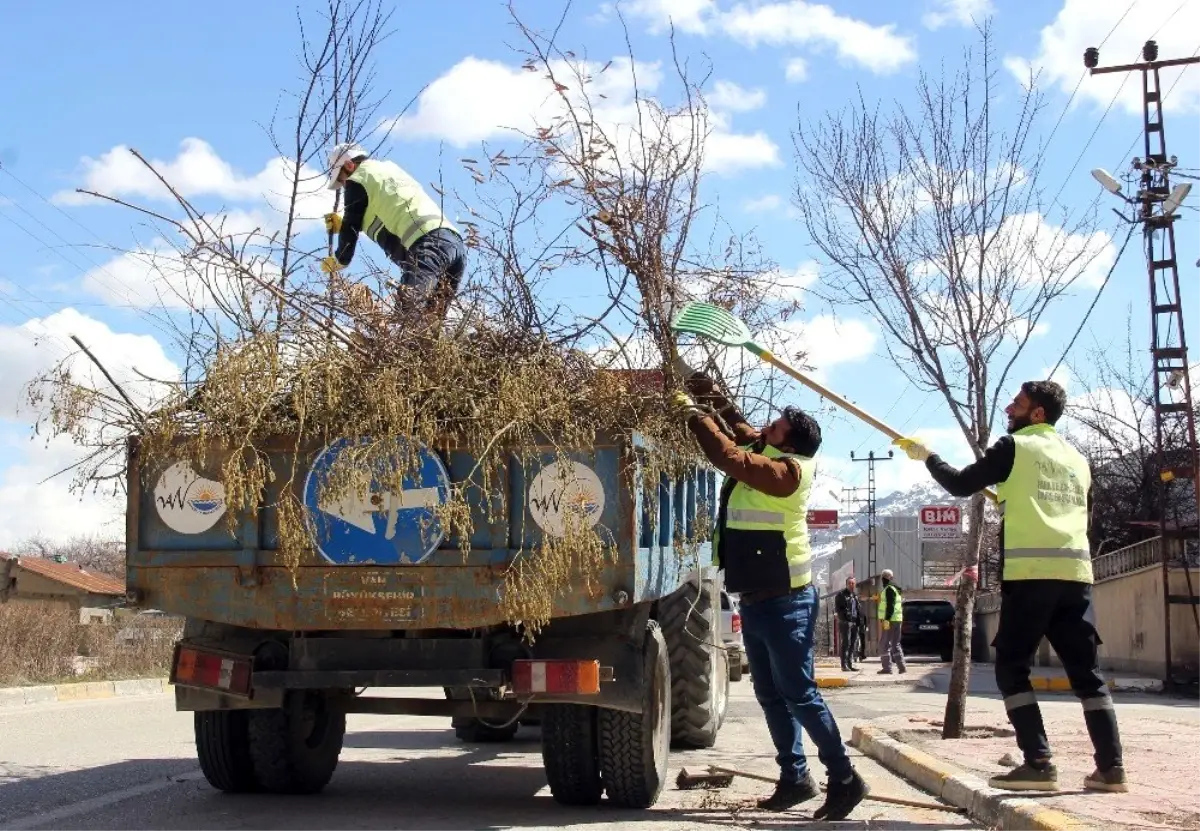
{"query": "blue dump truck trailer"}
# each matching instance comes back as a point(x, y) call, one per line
point(276, 652)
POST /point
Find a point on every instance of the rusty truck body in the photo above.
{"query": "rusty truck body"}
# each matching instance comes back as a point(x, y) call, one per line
point(275, 654)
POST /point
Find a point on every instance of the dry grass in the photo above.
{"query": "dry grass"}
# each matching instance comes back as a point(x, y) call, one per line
point(44, 644)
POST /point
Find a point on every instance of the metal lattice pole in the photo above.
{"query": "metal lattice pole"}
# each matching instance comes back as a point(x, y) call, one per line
point(1175, 448)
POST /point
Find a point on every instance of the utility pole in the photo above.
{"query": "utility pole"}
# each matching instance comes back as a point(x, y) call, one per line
point(1157, 206)
point(871, 459)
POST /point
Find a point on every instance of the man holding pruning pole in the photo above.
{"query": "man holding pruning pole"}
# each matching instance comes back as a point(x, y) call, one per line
point(1046, 579)
point(761, 542)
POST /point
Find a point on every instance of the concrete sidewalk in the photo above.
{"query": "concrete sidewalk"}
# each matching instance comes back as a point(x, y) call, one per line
point(1161, 738)
point(81, 691)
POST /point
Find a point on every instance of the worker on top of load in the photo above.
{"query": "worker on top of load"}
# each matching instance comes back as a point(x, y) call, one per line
point(761, 543)
point(391, 207)
point(1044, 487)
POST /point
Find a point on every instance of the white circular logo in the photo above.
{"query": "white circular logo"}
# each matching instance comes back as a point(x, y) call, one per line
point(187, 502)
point(565, 489)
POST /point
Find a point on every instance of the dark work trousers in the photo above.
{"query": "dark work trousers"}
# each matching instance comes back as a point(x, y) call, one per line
point(779, 645)
point(1062, 612)
point(433, 269)
point(848, 641)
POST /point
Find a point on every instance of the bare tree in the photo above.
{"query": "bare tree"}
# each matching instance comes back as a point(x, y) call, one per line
point(930, 220)
point(94, 553)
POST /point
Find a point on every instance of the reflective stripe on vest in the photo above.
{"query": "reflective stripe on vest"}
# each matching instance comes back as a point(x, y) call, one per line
point(897, 608)
point(1045, 509)
point(753, 510)
point(397, 202)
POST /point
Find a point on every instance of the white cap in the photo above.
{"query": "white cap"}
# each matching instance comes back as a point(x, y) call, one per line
point(347, 151)
point(886, 574)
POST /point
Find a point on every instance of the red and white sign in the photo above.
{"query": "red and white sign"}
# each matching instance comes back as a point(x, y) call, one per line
point(822, 520)
point(939, 522)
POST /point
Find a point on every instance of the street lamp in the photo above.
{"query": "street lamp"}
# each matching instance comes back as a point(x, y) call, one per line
point(1106, 180)
point(1175, 199)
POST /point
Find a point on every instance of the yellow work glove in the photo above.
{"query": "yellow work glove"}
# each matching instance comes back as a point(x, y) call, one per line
point(885, 625)
point(915, 450)
point(330, 265)
point(682, 404)
point(333, 223)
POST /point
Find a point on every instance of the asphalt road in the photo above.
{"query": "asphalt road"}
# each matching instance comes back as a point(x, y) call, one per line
point(130, 763)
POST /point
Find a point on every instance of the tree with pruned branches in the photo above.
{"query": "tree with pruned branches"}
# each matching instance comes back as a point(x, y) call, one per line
point(932, 221)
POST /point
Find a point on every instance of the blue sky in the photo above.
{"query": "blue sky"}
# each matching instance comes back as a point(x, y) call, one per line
point(190, 85)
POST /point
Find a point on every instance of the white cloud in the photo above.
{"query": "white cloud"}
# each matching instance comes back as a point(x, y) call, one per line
point(796, 70)
point(763, 204)
point(34, 507)
point(28, 351)
point(199, 172)
point(789, 286)
point(877, 48)
point(1080, 24)
point(730, 153)
point(958, 12)
point(828, 341)
point(157, 276)
point(476, 100)
point(691, 16)
point(730, 97)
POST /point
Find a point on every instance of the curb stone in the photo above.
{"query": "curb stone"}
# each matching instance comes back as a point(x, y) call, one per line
point(81, 691)
point(990, 806)
point(1057, 684)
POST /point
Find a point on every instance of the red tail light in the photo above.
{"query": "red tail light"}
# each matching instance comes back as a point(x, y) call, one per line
point(555, 676)
point(194, 668)
point(737, 623)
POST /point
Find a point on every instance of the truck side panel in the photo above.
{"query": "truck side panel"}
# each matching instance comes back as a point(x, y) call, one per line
point(241, 578)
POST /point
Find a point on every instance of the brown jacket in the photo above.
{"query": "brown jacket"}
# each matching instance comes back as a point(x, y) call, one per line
point(774, 477)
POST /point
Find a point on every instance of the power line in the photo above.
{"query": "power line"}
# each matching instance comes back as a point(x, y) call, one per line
point(1095, 300)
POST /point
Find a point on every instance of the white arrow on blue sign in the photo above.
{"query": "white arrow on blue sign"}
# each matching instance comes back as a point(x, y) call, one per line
point(382, 526)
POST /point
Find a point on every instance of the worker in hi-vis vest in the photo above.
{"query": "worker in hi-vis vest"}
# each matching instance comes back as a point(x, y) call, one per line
point(387, 204)
point(1044, 490)
point(891, 615)
point(761, 543)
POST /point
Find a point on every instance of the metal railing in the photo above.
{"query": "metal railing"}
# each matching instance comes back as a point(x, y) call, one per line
point(1130, 558)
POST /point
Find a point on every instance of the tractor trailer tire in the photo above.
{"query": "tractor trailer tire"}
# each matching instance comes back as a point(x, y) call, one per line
point(633, 748)
point(570, 755)
point(700, 670)
point(295, 748)
point(223, 749)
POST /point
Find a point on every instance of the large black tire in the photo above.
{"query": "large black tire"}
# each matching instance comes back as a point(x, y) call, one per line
point(634, 747)
point(569, 753)
point(690, 621)
point(223, 748)
point(295, 749)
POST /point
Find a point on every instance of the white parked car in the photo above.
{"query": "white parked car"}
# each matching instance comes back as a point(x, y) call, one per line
point(731, 635)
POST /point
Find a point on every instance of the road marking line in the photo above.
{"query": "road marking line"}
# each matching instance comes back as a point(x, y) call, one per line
point(96, 803)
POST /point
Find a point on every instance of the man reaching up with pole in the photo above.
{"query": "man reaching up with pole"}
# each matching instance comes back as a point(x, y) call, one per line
point(1046, 579)
point(761, 543)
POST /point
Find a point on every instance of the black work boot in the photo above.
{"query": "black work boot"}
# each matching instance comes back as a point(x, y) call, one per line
point(1111, 780)
point(1027, 777)
point(842, 797)
point(789, 794)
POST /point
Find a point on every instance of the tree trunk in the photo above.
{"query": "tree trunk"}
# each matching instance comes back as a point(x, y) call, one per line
point(964, 610)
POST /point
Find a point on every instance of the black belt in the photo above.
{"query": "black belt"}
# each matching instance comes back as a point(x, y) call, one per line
point(749, 598)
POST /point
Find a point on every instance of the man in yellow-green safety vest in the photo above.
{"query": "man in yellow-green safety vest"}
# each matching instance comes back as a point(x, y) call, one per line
point(1044, 490)
point(891, 615)
point(387, 204)
point(761, 543)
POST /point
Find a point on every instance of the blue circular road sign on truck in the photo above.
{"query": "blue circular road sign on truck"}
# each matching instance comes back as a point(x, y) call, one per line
point(382, 526)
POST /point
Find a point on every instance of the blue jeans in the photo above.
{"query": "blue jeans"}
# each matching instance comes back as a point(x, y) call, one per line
point(778, 634)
